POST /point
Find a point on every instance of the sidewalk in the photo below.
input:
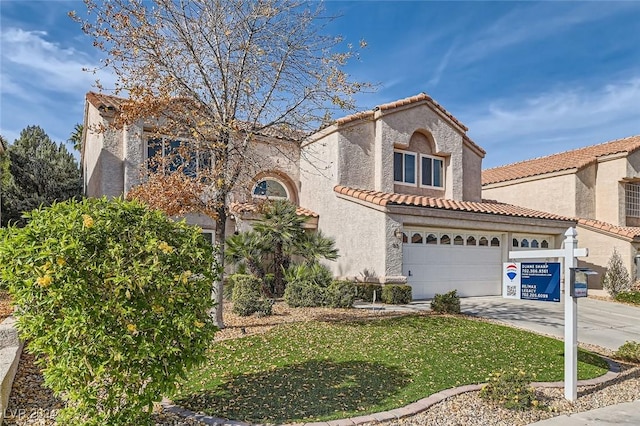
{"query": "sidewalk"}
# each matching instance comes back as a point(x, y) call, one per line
point(619, 414)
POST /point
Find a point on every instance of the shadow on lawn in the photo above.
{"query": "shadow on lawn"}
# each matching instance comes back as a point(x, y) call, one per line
point(307, 391)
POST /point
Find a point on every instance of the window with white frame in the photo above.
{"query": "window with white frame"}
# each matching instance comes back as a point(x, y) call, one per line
point(404, 167)
point(271, 188)
point(431, 171)
point(632, 199)
point(410, 168)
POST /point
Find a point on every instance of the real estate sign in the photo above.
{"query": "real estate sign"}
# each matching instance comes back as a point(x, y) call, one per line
point(531, 281)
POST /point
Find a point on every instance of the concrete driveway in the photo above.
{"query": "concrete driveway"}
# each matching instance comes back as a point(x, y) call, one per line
point(602, 323)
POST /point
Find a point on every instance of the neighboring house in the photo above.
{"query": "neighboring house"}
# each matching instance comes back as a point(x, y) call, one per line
point(599, 185)
point(397, 187)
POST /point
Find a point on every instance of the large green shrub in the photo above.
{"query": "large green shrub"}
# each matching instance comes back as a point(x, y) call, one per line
point(341, 294)
point(616, 279)
point(246, 296)
point(306, 285)
point(366, 291)
point(448, 303)
point(395, 294)
point(115, 299)
point(630, 351)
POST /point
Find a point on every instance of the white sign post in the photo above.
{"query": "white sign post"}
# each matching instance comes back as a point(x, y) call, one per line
point(570, 252)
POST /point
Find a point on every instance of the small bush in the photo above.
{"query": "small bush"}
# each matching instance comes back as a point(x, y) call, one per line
point(616, 279)
point(629, 297)
point(394, 294)
point(341, 294)
point(365, 291)
point(115, 298)
point(630, 351)
point(246, 296)
point(448, 303)
point(313, 273)
point(511, 389)
point(304, 294)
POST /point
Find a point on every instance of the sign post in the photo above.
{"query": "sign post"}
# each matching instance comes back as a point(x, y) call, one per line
point(520, 290)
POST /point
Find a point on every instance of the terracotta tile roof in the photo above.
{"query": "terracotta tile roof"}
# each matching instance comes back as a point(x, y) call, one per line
point(421, 97)
point(486, 206)
point(629, 232)
point(575, 159)
point(239, 208)
point(111, 104)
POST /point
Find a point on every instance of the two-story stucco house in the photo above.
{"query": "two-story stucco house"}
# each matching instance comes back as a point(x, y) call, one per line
point(397, 187)
point(599, 185)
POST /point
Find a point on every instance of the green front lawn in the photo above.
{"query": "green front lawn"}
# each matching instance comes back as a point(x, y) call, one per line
point(312, 371)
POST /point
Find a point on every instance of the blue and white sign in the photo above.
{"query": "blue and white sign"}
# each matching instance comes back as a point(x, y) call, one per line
point(532, 281)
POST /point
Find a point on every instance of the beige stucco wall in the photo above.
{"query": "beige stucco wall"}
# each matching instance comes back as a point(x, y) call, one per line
point(356, 156)
point(601, 247)
point(555, 194)
point(471, 174)
point(610, 203)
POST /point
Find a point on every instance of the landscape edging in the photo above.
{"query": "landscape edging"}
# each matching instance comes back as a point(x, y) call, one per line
point(10, 351)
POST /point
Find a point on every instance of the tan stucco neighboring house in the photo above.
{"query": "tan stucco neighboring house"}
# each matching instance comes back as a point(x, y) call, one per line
point(599, 185)
point(397, 187)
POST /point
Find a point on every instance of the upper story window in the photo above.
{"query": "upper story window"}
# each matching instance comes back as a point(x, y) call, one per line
point(404, 167)
point(171, 154)
point(270, 188)
point(632, 199)
point(427, 172)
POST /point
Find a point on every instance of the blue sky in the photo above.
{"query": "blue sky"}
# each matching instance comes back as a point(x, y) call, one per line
point(527, 78)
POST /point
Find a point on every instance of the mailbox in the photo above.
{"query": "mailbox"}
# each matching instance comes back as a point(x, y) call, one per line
point(578, 282)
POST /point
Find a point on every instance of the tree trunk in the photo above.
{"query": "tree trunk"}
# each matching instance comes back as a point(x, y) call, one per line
point(218, 285)
point(278, 273)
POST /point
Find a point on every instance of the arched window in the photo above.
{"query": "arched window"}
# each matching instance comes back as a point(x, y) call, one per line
point(495, 242)
point(524, 243)
point(405, 239)
point(471, 240)
point(534, 244)
point(458, 240)
point(416, 238)
point(432, 239)
point(483, 242)
point(270, 188)
point(545, 244)
point(445, 239)
point(515, 243)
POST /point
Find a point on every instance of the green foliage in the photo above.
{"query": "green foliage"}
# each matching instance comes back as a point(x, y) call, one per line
point(258, 379)
point(115, 299)
point(246, 296)
point(314, 273)
point(510, 388)
point(629, 297)
point(630, 351)
point(277, 237)
point(41, 172)
point(616, 279)
point(448, 303)
point(395, 294)
point(304, 294)
point(341, 294)
point(365, 292)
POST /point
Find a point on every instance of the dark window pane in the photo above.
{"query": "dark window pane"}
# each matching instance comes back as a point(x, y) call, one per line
point(437, 173)
point(416, 238)
point(458, 241)
point(410, 168)
point(431, 239)
point(483, 242)
point(445, 239)
point(426, 171)
point(397, 166)
point(495, 242)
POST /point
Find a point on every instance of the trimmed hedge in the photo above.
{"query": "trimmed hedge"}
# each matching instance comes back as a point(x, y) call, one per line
point(341, 294)
point(304, 294)
point(448, 303)
point(394, 294)
point(364, 291)
point(246, 296)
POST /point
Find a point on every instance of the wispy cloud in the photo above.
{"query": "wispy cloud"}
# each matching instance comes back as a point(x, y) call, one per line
point(442, 65)
point(569, 117)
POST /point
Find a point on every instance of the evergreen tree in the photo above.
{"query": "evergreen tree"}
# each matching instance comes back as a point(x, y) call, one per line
point(41, 172)
point(616, 279)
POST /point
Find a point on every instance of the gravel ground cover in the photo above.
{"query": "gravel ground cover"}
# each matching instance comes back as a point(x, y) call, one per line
point(32, 404)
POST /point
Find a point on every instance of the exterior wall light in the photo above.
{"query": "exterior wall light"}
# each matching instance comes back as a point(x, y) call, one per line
point(398, 233)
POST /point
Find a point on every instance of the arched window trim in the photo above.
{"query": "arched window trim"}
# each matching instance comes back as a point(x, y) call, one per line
point(274, 179)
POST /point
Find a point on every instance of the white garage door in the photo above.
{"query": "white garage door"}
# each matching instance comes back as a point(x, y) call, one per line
point(470, 264)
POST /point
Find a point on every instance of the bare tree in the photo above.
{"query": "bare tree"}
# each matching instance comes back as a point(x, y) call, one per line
point(220, 73)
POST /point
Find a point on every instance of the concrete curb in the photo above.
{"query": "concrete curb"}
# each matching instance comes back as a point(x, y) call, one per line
point(397, 413)
point(10, 350)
